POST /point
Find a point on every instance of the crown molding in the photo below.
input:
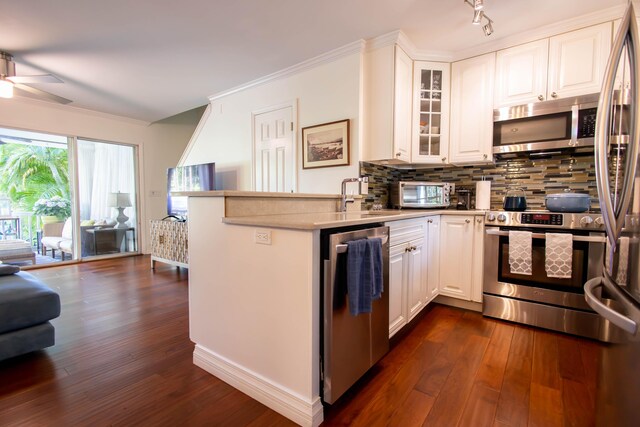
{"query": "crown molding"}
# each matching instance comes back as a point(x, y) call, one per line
point(355, 47)
point(589, 19)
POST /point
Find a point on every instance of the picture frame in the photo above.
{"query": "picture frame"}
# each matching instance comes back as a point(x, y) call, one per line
point(325, 145)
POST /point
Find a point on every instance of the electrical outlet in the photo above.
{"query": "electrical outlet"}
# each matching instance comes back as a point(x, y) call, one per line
point(155, 193)
point(263, 237)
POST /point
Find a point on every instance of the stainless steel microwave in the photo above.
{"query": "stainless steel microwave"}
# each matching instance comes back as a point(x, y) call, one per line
point(419, 194)
point(568, 123)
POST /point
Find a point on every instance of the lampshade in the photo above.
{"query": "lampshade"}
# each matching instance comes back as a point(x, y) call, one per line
point(119, 200)
point(6, 89)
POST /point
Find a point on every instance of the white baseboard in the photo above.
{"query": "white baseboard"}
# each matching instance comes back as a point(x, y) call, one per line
point(455, 302)
point(276, 397)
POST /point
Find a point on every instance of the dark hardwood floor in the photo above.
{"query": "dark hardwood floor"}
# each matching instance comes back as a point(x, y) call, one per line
point(123, 357)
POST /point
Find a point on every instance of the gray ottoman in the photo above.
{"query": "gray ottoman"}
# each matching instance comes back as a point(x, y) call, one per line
point(26, 306)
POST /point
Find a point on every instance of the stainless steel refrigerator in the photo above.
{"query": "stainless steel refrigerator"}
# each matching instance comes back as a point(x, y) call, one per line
point(616, 295)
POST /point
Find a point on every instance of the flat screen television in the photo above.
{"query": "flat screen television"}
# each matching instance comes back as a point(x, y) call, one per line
point(188, 178)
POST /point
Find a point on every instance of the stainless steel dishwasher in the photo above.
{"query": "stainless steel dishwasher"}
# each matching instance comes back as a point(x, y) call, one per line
point(350, 344)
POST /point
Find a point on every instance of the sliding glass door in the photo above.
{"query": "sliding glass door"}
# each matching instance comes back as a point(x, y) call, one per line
point(36, 221)
point(107, 196)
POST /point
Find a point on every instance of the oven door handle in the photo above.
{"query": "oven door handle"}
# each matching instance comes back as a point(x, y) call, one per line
point(590, 239)
point(621, 321)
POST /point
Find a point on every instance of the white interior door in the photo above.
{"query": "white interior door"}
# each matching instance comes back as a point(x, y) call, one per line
point(273, 148)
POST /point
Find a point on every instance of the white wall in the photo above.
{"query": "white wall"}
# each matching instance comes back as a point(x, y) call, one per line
point(159, 144)
point(325, 93)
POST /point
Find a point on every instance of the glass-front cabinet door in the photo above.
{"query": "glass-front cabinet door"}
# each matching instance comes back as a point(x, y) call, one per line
point(430, 142)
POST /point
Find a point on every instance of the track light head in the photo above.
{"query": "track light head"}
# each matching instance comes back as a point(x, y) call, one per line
point(477, 17)
point(488, 29)
point(478, 4)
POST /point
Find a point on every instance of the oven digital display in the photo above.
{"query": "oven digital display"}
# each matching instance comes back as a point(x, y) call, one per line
point(541, 218)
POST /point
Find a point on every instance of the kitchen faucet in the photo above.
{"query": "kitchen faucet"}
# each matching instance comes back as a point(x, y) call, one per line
point(343, 194)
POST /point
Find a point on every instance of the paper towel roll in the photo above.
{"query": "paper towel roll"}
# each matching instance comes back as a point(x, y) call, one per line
point(483, 195)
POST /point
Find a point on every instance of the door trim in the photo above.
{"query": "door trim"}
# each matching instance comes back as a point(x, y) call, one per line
point(294, 149)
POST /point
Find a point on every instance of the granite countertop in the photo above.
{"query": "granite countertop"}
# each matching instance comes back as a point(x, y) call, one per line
point(321, 220)
point(259, 194)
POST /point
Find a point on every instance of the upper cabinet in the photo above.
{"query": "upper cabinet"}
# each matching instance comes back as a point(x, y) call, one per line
point(430, 137)
point(472, 110)
point(577, 61)
point(521, 73)
point(402, 105)
point(566, 65)
point(388, 94)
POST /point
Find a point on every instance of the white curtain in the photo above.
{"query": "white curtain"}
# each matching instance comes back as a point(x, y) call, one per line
point(105, 168)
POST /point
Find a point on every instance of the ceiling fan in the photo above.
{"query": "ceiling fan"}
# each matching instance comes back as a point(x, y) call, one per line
point(9, 82)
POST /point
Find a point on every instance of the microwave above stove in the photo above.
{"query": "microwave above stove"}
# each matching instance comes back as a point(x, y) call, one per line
point(549, 126)
point(419, 194)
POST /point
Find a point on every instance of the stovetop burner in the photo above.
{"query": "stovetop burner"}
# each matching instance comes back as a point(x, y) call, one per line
point(546, 219)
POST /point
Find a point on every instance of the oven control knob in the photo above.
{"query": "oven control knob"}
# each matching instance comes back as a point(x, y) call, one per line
point(599, 222)
point(502, 218)
point(586, 221)
point(491, 217)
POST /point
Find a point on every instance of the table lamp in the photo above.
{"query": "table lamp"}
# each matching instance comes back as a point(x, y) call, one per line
point(120, 201)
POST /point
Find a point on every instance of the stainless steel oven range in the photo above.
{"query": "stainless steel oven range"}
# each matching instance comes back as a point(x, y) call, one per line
point(536, 299)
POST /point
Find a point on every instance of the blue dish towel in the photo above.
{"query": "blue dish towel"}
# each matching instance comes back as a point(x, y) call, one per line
point(364, 274)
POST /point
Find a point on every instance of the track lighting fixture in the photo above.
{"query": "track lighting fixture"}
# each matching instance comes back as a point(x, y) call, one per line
point(478, 15)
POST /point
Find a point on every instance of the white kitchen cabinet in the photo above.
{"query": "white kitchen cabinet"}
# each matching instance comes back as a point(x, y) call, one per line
point(402, 105)
point(472, 110)
point(521, 74)
point(577, 60)
point(397, 288)
point(407, 271)
point(478, 259)
point(388, 97)
point(565, 65)
point(430, 136)
point(433, 256)
point(456, 255)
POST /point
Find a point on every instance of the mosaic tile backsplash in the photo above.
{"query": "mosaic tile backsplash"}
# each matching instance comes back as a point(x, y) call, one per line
point(538, 176)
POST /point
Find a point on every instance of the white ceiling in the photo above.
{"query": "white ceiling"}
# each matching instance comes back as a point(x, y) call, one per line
point(151, 59)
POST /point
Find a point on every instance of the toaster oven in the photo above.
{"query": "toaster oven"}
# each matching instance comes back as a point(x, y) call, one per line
point(417, 194)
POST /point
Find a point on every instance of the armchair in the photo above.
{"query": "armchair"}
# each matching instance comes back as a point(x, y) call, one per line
point(57, 236)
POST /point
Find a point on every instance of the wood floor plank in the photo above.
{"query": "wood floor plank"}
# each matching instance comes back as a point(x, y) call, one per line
point(413, 411)
point(545, 408)
point(494, 363)
point(546, 366)
point(449, 404)
point(480, 409)
point(513, 404)
point(570, 364)
point(578, 404)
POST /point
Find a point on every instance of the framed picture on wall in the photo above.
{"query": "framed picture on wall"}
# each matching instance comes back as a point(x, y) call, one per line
point(325, 145)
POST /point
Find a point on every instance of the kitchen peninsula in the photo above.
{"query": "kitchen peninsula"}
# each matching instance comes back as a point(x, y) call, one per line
point(254, 290)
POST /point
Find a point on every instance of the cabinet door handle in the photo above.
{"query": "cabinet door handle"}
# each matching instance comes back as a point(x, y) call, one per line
point(554, 95)
point(479, 220)
point(485, 156)
point(540, 98)
point(398, 154)
point(430, 221)
point(467, 221)
point(444, 159)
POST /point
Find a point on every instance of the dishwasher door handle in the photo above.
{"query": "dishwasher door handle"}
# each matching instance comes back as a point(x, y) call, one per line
point(342, 248)
point(620, 320)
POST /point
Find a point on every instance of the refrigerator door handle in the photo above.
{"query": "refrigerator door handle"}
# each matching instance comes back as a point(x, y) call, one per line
point(614, 216)
point(608, 313)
